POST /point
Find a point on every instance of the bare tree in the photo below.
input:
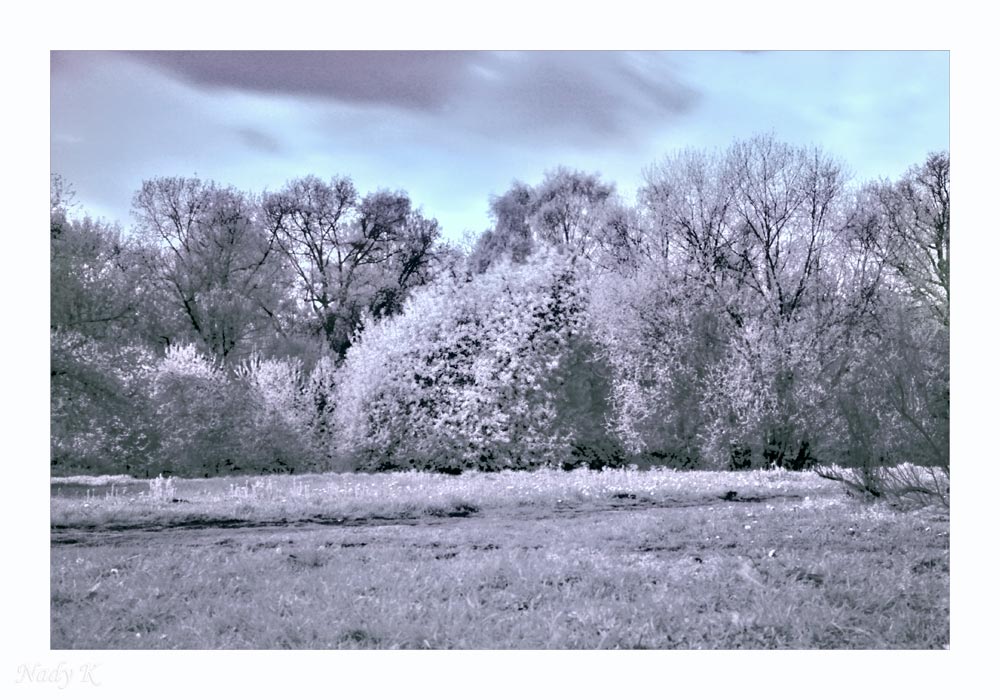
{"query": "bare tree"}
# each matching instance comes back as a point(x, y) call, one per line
point(917, 212)
point(212, 260)
point(567, 209)
point(348, 253)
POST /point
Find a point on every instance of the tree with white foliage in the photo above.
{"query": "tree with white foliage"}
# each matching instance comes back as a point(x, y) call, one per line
point(478, 374)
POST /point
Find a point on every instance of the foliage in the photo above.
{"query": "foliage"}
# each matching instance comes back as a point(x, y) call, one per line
point(751, 309)
point(198, 412)
point(723, 323)
point(280, 413)
point(319, 396)
point(475, 374)
point(100, 405)
point(570, 210)
point(258, 417)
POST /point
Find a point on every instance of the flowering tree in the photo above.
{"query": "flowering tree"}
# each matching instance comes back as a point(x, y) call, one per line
point(201, 421)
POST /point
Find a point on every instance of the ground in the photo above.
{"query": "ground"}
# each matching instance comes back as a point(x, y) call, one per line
point(613, 559)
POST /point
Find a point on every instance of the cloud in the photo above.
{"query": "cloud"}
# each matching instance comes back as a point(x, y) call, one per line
point(419, 80)
point(584, 96)
point(578, 94)
point(258, 140)
point(450, 127)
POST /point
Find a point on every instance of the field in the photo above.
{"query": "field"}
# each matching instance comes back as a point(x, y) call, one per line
point(616, 559)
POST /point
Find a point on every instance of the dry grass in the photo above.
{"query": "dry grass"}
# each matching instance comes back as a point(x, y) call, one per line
point(653, 559)
point(360, 496)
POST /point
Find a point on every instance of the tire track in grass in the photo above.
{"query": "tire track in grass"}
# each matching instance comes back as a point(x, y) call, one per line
point(81, 534)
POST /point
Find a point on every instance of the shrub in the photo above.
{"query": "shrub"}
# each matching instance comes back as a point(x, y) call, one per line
point(475, 374)
point(905, 484)
point(319, 396)
point(261, 416)
point(197, 414)
point(656, 345)
point(100, 414)
point(277, 437)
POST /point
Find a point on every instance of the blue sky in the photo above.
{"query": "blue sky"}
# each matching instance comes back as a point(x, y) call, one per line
point(452, 128)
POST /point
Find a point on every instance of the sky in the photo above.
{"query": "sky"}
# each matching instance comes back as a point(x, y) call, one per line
point(452, 128)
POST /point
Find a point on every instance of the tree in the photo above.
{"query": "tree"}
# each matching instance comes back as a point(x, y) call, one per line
point(511, 237)
point(99, 411)
point(95, 278)
point(733, 302)
point(400, 242)
point(213, 264)
point(905, 229)
point(349, 253)
point(61, 201)
point(567, 209)
point(785, 202)
point(574, 211)
point(687, 203)
point(752, 310)
point(917, 243)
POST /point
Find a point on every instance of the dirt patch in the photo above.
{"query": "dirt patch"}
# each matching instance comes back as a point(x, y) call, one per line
point(222, 524)
point(65, 539)
point(929, 565)
point(735, 497)
point(660, 548)
point(462, 510)
point(70, 534)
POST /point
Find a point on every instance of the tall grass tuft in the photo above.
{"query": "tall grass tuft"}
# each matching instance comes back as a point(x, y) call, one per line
point(162, 490)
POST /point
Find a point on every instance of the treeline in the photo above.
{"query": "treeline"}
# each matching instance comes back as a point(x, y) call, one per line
point(751, 308)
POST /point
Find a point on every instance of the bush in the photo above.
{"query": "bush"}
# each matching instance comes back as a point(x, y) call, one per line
point(319, 396)
point(488, 373)
point(100, 412)
point(657, 345)
point(905, 484)
point(278, 435)
point(260, 417)
point(202, 416)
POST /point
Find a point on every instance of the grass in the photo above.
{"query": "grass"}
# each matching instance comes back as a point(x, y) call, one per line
point(614, 559)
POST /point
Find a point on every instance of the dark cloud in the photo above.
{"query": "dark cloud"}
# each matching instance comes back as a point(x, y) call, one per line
point(580, 93)
point(419, 80)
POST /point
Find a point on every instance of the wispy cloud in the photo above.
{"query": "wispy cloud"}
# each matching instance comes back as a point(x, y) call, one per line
point(258, 140)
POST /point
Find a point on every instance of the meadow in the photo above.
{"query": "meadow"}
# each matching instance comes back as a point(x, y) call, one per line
point(623, 559)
